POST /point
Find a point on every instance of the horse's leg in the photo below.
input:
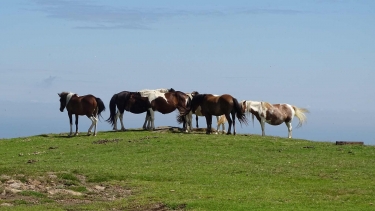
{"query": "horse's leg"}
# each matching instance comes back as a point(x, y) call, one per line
point(218, 125)
point(230, 124)
point(71, 123)
point(289, 125)
point(95, 118)
point(196, 120)
point(209, 123)
point(189, 121)
point(91, 126)
point(115, 120)
point(262, 125)
point(188, 117)
point(149, 121)
point(152, 118)
point(122, 121)
point(144, 124)
point(76, 125)
point(234, 122)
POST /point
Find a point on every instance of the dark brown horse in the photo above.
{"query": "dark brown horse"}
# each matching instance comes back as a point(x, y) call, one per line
point(88, 105)
point(165, 103)
point(217, 106)
point(127, 101)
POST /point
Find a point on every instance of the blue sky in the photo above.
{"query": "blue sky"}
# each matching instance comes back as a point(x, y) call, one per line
point(313, 54)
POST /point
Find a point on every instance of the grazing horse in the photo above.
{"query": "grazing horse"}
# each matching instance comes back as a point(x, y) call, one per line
point(88, 105)
point(217, 106)
point(165, 103)
point(219, 119)
point(274, 114)
point(126, 101)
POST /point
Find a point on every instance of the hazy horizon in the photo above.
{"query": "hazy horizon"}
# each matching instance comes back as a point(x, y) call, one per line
point(313, 54)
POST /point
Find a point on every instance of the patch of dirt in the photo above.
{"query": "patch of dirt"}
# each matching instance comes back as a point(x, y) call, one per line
point(105, 141)
point(52, 188)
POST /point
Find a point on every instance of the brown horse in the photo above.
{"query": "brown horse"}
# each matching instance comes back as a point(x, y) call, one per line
point(274, 114)
point(88, 105)
point(217, 106)
point(127, 101)
point(220, 120)
point(165, 103)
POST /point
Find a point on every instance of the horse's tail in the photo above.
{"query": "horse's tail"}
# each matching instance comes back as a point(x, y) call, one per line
point(101, 106)
point(240, 115)
point(112, 110)
point(222, 120)
point(300, 114)
point(185, 110)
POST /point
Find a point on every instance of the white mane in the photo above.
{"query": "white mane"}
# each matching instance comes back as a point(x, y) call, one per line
point(68, 97)
point(253, 105)
point(147, 92)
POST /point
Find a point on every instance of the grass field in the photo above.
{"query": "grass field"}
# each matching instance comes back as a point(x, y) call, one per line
point(169, 170)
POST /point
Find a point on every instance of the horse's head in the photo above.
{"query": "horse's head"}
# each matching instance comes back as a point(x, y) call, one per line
point(196, 101)
point(64, 99)
point(62, 96)
point(243, 106)
point(194, 93)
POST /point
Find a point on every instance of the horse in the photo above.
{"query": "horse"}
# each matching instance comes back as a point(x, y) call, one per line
point(88, 105)
point(165, 103)
point(126, 101)
point(147, 123)
point(217, 106)
point(220, 120)
point(274, 114)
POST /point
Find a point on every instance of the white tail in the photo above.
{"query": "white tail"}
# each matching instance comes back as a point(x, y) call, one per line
point(300, 114)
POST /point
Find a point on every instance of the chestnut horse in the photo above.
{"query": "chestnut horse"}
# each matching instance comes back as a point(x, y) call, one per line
point(220, 120)
point(88, 105)
point(274, 114)
point(217, 106)
point(165, 103)
point(126, 101)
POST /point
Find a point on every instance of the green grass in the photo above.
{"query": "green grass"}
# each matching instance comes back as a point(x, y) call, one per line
point(141, 170)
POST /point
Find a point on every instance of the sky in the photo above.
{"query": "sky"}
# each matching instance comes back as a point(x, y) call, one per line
point(313, 54)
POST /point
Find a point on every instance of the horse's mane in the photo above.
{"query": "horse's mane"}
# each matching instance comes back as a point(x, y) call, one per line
point(199, 97)
point(266, 105)
point(64, 93)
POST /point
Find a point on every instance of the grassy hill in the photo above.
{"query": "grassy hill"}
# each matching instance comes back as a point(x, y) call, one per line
point(169, 170)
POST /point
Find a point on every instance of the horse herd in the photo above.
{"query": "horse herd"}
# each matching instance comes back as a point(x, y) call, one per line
point(224, 107)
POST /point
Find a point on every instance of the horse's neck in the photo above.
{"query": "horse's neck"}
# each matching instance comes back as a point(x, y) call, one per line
point(68, 97)
point(162, 90)
point(253, 106)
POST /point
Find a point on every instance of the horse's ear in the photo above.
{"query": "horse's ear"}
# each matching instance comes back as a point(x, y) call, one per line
point(59, 94)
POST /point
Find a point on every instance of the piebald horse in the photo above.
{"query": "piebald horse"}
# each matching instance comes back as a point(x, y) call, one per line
point(217, 106)
point(126, 101)
point(274, 114)
point(88, 105)
point(165, 103)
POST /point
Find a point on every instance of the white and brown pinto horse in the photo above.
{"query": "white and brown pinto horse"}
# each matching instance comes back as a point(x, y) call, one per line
point(165, 103)
point(216, 106)
point(274, 114)
point(88, 105)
